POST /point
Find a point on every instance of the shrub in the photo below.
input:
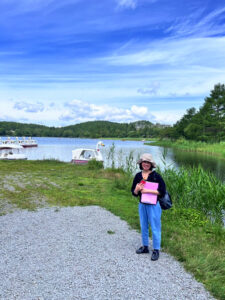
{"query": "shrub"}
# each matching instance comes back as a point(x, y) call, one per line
point(94, 164)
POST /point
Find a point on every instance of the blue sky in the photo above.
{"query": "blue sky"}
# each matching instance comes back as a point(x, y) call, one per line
point(71, 61)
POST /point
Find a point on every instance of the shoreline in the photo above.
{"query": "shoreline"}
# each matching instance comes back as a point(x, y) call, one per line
point(204, 148)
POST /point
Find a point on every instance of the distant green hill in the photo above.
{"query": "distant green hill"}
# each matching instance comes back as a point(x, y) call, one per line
point(93, 129)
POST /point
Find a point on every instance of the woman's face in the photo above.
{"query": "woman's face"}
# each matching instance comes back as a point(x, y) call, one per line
point(146, 165)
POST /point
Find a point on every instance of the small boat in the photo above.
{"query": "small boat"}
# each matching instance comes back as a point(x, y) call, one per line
point(27, 143)
point(5, 143)
point(82, 156)
point(24, 142)
point(11, 152)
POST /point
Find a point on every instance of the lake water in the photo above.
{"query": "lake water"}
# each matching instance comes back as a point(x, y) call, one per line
point(208, 162)
point(61, 149)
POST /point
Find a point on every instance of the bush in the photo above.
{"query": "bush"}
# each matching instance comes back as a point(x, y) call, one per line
point(94, 164)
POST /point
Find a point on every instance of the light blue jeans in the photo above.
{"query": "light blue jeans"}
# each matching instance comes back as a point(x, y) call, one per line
point(150, 214)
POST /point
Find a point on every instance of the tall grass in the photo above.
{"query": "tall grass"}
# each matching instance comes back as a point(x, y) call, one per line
point(111, 156)
point(197, 189)
point(118, 159)
point(94, 164)
point(217, 149)
point(191, 188)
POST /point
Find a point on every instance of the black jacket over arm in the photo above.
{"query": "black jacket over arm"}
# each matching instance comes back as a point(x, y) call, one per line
point(153, 177)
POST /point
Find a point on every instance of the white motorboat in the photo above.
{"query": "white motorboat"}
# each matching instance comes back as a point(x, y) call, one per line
point(27, 143)
point(11, 152)
point(84, 155)
point(5, 143)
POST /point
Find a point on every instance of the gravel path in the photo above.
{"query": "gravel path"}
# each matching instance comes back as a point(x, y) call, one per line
point(84, 253)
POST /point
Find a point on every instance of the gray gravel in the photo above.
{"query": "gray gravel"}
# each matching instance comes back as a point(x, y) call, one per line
point(84, 253)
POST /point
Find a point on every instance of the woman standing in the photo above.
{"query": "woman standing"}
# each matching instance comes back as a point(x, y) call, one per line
point(149, 213)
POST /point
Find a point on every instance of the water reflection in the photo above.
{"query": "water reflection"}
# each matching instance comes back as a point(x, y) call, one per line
point(208, 162)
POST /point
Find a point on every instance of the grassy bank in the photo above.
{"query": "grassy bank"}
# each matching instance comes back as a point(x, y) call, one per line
point(129, 139)
point(189, 232)
point(217, 149)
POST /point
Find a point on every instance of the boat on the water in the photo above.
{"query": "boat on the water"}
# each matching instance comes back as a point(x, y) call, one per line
point(5, 143)
point(82, 156)
point(25, 143)
point(11, 152)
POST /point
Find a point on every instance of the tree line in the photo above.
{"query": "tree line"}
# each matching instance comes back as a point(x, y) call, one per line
point(92, 129)
point(207, 124)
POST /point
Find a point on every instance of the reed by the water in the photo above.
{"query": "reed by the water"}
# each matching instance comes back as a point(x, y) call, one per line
point(217, 149)
point(194, 188)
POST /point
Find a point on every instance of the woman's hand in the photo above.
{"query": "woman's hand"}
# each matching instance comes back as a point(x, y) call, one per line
point(139, 187)
point(147, 191)
point(144, 191)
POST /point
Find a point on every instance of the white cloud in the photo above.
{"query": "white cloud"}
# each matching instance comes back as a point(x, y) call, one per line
point(132, 3)
point(169, 52)
point(211, 24)
point(140, 111)
point(151, 89)
point(44, 115)
point(83, 111)
point(78, 111)
point(29, 107)
point(168, 117)
point(66, 116)
point(9, 118)
point(127, 3)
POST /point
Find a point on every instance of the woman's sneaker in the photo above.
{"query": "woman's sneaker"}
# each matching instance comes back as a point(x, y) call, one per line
point(155, 254)
point(143, 249)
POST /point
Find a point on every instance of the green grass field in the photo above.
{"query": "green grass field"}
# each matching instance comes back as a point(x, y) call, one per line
point(192, 234)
